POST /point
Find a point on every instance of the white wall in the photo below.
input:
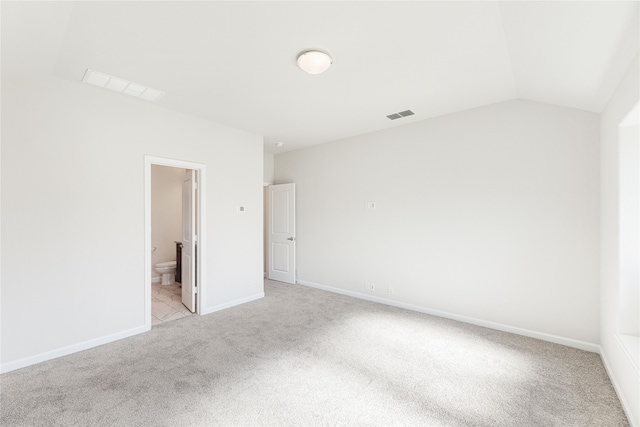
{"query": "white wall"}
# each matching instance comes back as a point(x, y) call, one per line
point(489, 214)
point(166, 213)
point(622, 370)
point(73, 212)
point(268, 168)
point(268, 179)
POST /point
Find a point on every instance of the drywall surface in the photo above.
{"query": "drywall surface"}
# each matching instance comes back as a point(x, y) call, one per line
point(489, 214)
point(73, 211)
point(268, 168)
point(621, 368)
point(166, 213)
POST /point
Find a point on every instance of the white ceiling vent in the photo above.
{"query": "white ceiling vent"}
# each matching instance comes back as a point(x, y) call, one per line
point(120, 85)
point(400, 115)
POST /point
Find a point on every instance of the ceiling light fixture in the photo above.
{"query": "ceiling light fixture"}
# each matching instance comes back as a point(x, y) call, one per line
point(279, 144)
point(314, 61)
point(120, 85)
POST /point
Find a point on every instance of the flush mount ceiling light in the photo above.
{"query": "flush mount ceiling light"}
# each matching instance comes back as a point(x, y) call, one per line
point(314, 61)
point(120, 85)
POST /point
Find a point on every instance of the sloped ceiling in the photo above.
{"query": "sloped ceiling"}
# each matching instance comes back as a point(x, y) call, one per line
point(234, 62)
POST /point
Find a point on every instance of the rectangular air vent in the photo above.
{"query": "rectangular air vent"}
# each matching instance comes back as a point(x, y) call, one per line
point(117, 84)
point(400, 115)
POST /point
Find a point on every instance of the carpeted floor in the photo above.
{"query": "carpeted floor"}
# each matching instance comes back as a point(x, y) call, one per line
point(306, 357)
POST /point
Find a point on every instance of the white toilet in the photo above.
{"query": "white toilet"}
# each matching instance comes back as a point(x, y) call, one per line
point(168, 272)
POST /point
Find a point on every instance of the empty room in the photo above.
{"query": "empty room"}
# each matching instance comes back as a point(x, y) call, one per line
point(419, 213)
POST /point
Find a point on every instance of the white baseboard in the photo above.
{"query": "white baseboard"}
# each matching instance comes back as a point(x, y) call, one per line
point(582, 345)
point(209, 310)
point(625, 404)
point(65, 351)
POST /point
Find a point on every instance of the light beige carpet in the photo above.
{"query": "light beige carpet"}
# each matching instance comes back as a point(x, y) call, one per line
point(306, 357)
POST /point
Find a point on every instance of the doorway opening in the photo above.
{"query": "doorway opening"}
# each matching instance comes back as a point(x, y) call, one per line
point(174, 237)
point(629, 235)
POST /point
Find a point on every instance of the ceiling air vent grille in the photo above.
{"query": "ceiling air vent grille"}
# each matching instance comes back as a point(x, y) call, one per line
point(117, 84)
point(400, 115)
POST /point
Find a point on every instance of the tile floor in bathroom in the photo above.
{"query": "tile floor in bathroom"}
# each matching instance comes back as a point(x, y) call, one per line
point(166, 303)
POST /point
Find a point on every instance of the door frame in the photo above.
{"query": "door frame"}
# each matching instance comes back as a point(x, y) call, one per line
point(201, 203)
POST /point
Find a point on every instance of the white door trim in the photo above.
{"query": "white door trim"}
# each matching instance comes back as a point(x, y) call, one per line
point(188, 231)
point(201, 216)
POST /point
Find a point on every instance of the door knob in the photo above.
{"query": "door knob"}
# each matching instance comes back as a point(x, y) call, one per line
point(290, 238)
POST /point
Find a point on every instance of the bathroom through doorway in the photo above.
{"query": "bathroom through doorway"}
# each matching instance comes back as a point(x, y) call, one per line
point(174, 230)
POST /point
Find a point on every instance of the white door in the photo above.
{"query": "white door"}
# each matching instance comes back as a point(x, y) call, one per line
point(189, 240)
point(282, 233)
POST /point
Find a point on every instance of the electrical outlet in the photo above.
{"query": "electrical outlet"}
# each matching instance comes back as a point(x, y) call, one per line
point(390, 290)
point(368, 286)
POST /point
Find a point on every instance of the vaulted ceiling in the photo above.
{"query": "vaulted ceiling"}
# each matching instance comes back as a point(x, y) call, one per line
point(234, 62)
